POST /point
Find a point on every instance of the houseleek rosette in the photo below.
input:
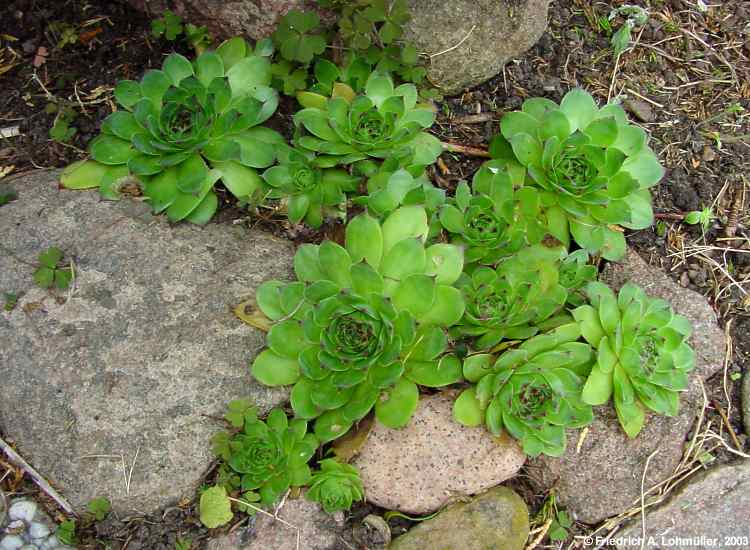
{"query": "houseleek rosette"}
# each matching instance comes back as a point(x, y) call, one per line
point(310, 192)
point(643, 357)
point(270, 456)
point(336, 486)
point(533, 392)
point(515, 300)
point(382, 121)
point(591, 163)
point(494, 219)
point(183, 128)
point(364, 324)
point(575, 273)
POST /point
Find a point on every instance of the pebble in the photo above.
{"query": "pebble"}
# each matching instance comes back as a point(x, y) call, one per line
point(28, 528)
point(640, 109)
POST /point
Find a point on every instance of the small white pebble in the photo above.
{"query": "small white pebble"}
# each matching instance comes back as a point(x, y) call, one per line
point(38, 530)
point(11, 542)
point(22, 509)
point(52, 542)
point(30, 547)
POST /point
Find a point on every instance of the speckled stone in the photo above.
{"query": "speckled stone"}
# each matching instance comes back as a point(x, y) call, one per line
point(317, 530)
point(139, 356)
point(495, 520)
point(226, 18)
point(714, 505)
point(433, 460)
point(601, 477)
point(469, 41)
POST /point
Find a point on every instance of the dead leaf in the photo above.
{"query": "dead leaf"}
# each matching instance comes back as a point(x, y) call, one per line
point(5, 170)
point(41, 57)
point(87, 36)
point(248, 312)
point(347, 447)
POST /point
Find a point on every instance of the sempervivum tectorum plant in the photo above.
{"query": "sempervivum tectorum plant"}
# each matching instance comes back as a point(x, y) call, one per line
point(379, 123)
point(495, 218)
point(310, 192)
point(594, 166)
point(335, 486)
point(364, 324)
point(533, 392)
point(643, 357)
point(513, 301)
point(184, 127)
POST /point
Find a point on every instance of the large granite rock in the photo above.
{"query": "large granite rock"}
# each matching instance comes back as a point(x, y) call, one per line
point(495, 520)
point(603, 477)
point(226, 18)
point(469, 41)
point(301, 524)
point(433, 460)
point(709, 511)
point(139, 357)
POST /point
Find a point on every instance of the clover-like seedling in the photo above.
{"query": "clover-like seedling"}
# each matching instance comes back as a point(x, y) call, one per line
point(297, 36)
point(169, 26)
point(51, 270)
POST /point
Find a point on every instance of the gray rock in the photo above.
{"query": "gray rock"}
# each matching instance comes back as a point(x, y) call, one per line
point(139, 356)
point(317, 530)
point(461, 57)
point(497, 519)
point(603, 477)
point(640, 109)
point(224, 19)
point(433, 460)
point(714, 506)
point(745, 391)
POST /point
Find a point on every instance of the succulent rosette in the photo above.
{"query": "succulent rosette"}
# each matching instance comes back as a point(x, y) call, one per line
point(514, 301)
point(269, 456)
point(575, 273)
point(184, 127)
point(493, 219)
point(533, 392)
point(382, 121)
point(593, 165)
point(643, 356)
point(336, 486)
point(310, 192)
point(364, 324)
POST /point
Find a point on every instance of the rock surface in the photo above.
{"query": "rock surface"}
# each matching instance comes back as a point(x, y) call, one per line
point(469, 41)
point(497, 519)
point(317, 530)
point(137, 357)
point(714, 505)
point(433, 460)
point(226, 18)
point(604, 477)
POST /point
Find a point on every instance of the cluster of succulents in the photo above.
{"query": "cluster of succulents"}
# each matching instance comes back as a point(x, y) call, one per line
point(491, 287)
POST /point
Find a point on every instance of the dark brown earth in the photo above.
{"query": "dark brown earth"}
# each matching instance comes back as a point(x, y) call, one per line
point(687, 81)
